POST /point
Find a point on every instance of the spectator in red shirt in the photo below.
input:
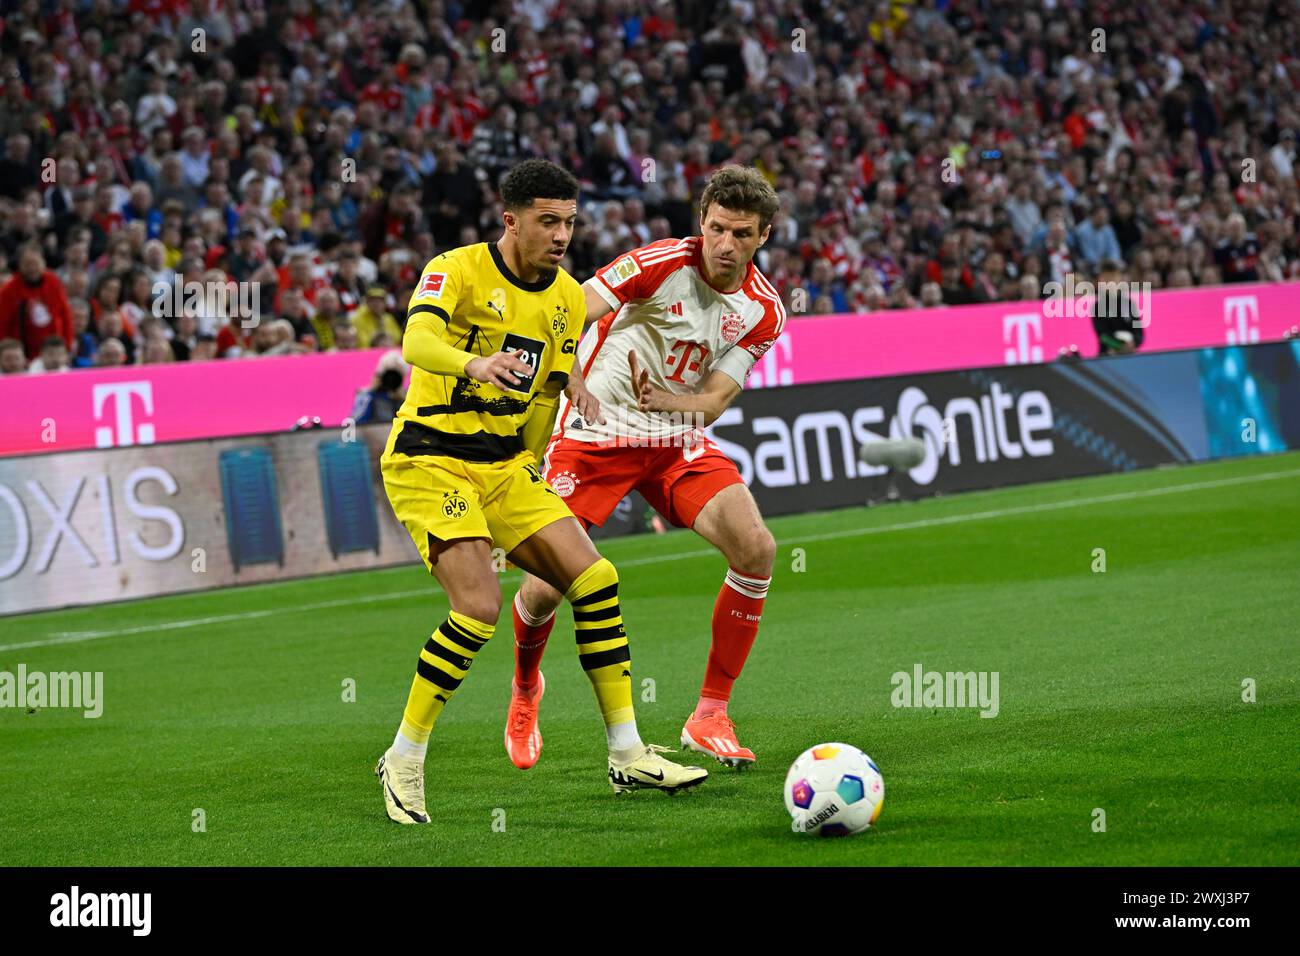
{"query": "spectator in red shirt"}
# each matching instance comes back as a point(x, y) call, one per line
point(33, 303)
point(384, 91)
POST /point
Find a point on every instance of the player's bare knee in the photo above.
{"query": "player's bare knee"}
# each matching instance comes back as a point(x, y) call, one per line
point(755, 552)
point(485, 607)
point(538, 597)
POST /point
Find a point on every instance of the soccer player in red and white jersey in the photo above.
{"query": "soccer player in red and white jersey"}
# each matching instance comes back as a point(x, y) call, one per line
point(679, 325)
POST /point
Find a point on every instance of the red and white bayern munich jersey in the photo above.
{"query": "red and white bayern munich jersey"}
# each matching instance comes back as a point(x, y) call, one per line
point(681, 329)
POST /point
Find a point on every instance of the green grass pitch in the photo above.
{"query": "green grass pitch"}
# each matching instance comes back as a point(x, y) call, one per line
point(1120, 690)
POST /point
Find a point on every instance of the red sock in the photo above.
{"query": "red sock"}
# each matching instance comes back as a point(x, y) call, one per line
point(735, 625)
point(530, 642)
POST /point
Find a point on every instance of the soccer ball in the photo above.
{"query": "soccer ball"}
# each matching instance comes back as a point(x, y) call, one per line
point(834, 790)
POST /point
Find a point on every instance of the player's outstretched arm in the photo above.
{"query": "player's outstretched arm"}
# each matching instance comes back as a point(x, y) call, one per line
point(716, 392)
point(424, 347)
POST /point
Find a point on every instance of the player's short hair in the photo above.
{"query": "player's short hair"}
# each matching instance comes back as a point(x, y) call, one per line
point(741, 189)
point(536, 179)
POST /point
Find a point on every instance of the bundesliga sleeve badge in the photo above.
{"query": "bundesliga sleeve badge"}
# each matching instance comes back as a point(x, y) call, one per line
point(431, 285)
point(620, 272)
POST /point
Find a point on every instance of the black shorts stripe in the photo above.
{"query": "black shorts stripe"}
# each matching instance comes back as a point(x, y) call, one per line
point(600, 614)
point(595, 634)
point(595, 597)
point(461, 636)
point(435, 675)
point(454, 658)
point(615, 655)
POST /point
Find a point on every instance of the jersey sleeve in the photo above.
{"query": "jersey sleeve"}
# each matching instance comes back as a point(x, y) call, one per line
point(437, 292)
point(433, 302)
point(738, 361)
point(639, 273)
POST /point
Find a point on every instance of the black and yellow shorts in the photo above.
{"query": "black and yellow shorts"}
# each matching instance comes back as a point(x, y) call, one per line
point(439, 499)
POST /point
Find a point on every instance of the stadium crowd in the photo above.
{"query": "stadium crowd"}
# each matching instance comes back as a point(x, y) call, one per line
point(930, 153)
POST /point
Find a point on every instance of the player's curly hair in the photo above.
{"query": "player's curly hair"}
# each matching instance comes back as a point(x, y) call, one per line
point(741, 189)
point(536, 179)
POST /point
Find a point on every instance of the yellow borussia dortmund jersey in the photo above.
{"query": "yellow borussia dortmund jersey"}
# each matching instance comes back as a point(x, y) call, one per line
point(472, 299)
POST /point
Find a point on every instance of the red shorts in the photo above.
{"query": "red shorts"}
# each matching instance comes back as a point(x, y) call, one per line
point(678, 482)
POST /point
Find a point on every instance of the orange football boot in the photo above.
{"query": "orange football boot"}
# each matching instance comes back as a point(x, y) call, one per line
point(714, 734)
point(523, 739)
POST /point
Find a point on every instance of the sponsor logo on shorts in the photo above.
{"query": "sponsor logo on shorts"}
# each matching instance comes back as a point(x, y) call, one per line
point(564, 483)
point(453, 505)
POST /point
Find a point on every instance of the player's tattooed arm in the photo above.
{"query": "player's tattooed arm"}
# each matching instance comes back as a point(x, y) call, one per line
point(717, 392)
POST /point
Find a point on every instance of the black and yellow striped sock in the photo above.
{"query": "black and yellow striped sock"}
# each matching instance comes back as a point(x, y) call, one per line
point(443, 663)
point(602, 643)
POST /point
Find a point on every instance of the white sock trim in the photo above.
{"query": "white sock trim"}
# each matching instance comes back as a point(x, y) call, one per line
point(751, 587)
point(403, 746)
point(525, 616)
point(623, 736)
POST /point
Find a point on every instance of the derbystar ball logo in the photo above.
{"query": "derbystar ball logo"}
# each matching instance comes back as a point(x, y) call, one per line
point(822, 815)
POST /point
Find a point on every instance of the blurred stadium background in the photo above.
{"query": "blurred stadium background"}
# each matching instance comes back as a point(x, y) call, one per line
point(942, 167)
point(930, 153)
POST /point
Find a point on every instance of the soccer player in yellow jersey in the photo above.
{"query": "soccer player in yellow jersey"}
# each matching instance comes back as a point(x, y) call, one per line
point(491, 334)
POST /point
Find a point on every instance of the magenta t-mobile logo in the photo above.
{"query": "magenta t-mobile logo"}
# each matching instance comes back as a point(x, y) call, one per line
point(123, 431)
point(1023, 334)
point(1241, 316)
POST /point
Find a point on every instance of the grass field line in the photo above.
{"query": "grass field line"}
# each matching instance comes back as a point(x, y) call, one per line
point(1052, 506)
point(71, 637)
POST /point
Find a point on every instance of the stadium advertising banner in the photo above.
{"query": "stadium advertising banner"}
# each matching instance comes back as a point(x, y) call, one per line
point(182, 401)
point(89, 527)
point(149, 404)
point(843, 347)
point(95, 526)
point(798, 448)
